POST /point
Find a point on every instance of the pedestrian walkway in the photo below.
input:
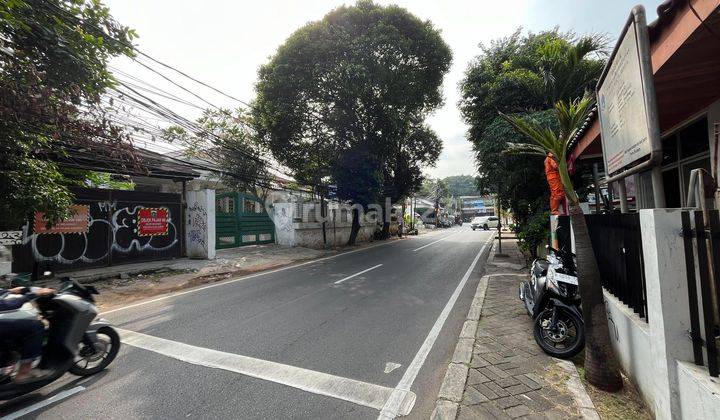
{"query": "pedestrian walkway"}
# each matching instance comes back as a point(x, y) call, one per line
point(509, 376)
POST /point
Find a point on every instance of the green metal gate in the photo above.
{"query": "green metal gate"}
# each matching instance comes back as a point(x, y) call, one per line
point(241, 219)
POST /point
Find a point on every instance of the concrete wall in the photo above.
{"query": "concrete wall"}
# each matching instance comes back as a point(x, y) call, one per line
point(200, 224)
point(631, 341)
point(302, 230)
point(657, 354)
point(699, 392)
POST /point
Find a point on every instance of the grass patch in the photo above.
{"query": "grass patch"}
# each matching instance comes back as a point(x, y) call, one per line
point(626, 404)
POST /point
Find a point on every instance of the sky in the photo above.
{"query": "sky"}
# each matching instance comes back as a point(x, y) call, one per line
point(224, 42)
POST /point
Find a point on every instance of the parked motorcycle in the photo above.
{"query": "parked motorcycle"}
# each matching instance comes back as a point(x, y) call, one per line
point(551, 298)
point(74, 342)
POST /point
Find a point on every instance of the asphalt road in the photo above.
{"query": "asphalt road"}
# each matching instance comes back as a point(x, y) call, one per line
point(356, 335)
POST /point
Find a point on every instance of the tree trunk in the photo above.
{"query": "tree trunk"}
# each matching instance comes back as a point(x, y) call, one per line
point(355, 226)
point(385, 233)
point(601, 366)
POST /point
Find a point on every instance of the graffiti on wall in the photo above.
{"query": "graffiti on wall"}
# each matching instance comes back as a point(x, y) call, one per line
point(197, 225)
point(111, 229)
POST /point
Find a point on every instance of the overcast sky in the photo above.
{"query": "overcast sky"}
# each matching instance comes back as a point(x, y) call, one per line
point(223, 42)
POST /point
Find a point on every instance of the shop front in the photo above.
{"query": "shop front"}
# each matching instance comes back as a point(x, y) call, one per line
point(685, 57)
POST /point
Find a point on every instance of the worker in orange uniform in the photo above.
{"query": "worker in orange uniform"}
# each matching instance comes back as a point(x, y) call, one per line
point(557, 192)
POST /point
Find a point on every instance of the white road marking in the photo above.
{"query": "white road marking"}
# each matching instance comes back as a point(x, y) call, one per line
point(357, 274)
point(390, 366)
point(395, 403)
point(222, 283)
point(55, 398)
point(434, 242)
point(358, 392)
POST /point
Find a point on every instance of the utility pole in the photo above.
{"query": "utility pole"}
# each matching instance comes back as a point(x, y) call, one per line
point(499, 225)
point(437, 203)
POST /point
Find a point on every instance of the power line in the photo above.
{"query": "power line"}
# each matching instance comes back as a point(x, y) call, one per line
point(147, 105)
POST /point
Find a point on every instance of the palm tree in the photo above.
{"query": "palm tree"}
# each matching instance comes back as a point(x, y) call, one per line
point(566, 68)
point(601, 366)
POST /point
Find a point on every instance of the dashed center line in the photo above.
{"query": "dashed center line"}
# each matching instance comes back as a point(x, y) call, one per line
point(434, 242)
point(357, 274)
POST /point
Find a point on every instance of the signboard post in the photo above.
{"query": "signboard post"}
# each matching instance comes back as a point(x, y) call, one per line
point(628, 110)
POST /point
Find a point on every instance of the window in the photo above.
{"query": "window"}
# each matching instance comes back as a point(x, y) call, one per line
point(683, 151)
point(694, 139)
point(226, 240)
point(225, 205)
point(670, 150)
point(251, 206)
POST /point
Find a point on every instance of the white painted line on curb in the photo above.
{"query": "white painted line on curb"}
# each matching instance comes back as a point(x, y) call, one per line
point(354, 391)
point(357, 274)
point(507, 274)
point(237, 279)
point(434, 242)
point(44, 403)
point(395, 403)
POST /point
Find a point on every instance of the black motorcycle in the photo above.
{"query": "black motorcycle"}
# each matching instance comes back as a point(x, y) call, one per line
point(74, 342)
point(551, 298)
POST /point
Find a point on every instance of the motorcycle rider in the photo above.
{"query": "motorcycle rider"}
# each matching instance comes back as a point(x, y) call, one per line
point(27, 334)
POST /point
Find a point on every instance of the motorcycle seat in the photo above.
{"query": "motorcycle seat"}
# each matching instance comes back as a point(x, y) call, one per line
point(540, 268)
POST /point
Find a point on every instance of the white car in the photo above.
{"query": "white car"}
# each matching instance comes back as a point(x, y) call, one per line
point(485, 222)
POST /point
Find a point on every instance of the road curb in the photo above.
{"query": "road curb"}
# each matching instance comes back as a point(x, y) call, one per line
point(577, 389)
point(453, 384)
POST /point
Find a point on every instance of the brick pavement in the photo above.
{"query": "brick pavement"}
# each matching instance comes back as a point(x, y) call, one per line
point(509, 376)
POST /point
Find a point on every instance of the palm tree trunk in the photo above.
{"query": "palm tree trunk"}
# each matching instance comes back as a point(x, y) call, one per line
point(601, 366)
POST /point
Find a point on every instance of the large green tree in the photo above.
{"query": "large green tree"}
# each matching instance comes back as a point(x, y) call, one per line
point(522, 75)
point(359, 82)
point(53, 57)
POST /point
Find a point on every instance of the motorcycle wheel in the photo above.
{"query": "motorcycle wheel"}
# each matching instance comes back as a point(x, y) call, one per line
point(568, 339)
point(92, 360)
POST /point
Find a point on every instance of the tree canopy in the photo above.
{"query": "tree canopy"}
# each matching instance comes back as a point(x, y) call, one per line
point(53, 57)
point(523, 75)
point(460, 185)
point(227, 140)
point(356, 85)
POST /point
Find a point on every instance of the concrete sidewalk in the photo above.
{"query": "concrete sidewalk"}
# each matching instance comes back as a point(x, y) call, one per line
point(507, 375)
point(244, 258)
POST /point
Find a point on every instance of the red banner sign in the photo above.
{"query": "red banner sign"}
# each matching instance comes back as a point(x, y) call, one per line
point(78, 222)
point(153, 221)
